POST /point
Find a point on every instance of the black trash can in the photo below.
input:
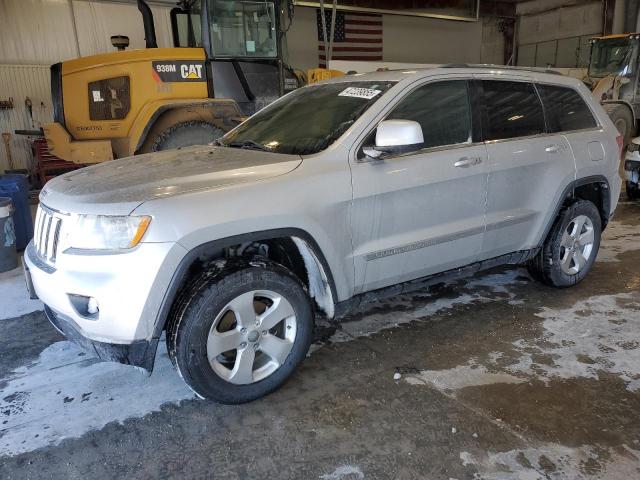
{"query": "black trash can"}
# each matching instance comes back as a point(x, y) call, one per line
point(16, 187)
point(8, 254)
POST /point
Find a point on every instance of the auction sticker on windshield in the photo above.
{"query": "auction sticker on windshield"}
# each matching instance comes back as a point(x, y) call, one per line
point(367, 93)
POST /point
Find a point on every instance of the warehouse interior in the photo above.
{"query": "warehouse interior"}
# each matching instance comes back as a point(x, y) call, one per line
point(456, 373)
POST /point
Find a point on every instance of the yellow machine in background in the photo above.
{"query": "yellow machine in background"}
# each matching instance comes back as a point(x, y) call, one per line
point(316, 75)
point(226, 64)
point(117, 104)
point(614, 78)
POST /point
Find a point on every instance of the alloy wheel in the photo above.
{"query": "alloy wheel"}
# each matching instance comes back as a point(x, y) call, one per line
point(576, 245)
point(251, 337)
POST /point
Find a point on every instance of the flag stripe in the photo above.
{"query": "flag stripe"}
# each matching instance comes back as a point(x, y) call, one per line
point(362, 40)
point(354, 49)
point(365, 22)
point(359, 30)
point(351, 57)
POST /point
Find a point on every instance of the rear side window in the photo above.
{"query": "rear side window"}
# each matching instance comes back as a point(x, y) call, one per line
point(565, 108)
point(442, 110)
point(513, 110)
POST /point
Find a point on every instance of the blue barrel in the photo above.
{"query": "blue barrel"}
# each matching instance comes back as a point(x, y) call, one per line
point(8, 254)
point(16, 187)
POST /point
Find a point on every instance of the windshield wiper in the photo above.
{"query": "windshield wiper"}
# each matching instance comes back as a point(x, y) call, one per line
point(247, 144)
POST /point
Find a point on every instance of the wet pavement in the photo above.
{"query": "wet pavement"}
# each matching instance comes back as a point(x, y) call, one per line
point(493, 377)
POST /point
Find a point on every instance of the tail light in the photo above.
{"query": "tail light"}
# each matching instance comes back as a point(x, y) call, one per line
point(620, 142)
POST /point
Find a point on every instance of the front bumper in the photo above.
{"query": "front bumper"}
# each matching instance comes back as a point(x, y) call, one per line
point(138, 354)
point(129, 288)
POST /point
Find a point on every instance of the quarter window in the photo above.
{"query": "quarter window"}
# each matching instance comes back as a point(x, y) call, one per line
point(513, 110)
point(442, 110)
point(565, 109)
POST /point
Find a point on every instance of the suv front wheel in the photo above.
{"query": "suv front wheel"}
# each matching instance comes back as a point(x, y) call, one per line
point(238, 336)
point(571, 247)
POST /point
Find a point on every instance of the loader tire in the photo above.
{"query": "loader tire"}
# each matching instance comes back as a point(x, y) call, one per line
point(623, 120)
point(186, 134)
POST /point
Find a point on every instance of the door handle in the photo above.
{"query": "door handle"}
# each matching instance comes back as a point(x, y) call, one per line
point(552, 148)
point(465, 162)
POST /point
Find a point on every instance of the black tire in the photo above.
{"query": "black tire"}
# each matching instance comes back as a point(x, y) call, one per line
point(199, 306)
point(185, 134)
point(546, 266)
point(623, 120)
point(633, 191)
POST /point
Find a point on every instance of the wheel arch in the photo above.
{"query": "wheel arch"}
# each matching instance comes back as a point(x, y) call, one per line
point(222, 113)
point(318, 279)
point(594, 188)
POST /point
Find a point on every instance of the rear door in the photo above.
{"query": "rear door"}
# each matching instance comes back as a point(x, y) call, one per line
point(526, 165)
point(421, 212)
point(568, 114)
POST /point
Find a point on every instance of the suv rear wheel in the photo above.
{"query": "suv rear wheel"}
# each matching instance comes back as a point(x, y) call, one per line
point(571, 247)
point(238, 337)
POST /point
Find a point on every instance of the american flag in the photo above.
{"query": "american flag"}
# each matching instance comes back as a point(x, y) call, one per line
point(357, 36)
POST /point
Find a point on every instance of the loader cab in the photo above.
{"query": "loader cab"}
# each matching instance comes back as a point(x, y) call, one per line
point(243, 45)
point(614, 55)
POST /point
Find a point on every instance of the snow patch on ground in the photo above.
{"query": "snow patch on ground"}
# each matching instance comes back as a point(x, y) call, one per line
point(616, 239)
point(483, 289)
point(344, 472)
point(65, 394)
point(554, 462)
point(14, 299)
point(462, 376)
point(600, 333)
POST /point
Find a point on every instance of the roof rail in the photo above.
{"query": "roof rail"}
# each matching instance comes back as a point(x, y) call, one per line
point(501, 67)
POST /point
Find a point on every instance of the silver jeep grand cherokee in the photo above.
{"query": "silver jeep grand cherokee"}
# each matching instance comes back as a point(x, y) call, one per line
point(333, 191)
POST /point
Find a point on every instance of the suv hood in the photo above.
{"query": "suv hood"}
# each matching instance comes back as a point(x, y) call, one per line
point(119, 186)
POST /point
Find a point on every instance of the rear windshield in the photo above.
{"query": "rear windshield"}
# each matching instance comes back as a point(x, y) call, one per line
point(307, 120)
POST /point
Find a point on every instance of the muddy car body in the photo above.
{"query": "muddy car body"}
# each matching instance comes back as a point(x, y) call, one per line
point(335, 191)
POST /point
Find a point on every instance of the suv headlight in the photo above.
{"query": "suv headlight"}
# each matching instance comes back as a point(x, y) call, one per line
point(102, 232)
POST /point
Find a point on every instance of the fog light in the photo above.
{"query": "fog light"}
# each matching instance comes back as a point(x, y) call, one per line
point(86, 307)
point(92, 306)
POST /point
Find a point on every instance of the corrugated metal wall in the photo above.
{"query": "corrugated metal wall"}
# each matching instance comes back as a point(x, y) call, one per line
point(20, 82)
point(37, 33)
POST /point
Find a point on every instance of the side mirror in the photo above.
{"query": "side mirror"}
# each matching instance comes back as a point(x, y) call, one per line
point(395, 137)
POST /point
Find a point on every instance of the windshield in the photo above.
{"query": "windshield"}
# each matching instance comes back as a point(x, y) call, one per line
point(243, 29)
point(307, 120)
point(611, 56)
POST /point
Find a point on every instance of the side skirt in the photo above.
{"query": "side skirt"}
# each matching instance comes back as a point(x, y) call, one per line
point(356, 303)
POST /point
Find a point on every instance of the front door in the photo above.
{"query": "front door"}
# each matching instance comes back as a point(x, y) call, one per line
point(421, 212)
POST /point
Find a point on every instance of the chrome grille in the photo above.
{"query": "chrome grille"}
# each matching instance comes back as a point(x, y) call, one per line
point(46, 234)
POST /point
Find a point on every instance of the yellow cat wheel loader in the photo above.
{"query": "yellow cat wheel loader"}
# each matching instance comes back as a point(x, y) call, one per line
point(614, 79)
point(226, 64)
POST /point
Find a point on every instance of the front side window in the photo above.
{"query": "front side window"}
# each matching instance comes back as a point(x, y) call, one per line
point(243, 29)
point(513, 110)
point(565, 109)
point(442, 109)
point(307, 120)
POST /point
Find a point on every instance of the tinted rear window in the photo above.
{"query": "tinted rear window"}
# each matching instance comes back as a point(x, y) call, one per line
point(565, 109)
point(513, 110)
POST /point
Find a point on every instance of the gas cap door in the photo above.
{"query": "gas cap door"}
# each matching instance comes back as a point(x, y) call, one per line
point(596, 151)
